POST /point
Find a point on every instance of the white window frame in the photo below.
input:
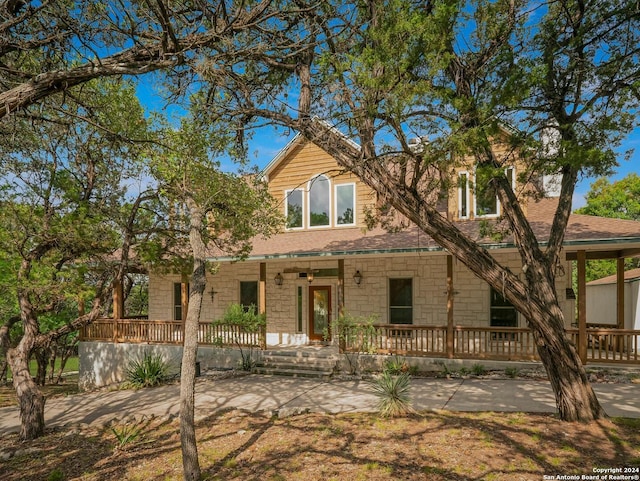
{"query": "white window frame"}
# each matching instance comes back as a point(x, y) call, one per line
point(309, 185)
point(467, 203)
point(335, 203)
point(498, 205)
point(286, 207)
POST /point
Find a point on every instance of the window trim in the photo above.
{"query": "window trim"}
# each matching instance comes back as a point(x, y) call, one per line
point(335, 202)
point(498, 204)
point(257, 286)
point(309, 186)
point(287, 192)
point(411, 307)
point(498, 307)
point(467, 205)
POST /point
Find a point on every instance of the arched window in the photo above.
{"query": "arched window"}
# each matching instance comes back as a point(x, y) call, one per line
point(319, 201)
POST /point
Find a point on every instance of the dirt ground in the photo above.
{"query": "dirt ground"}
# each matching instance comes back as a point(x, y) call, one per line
point(236, 445)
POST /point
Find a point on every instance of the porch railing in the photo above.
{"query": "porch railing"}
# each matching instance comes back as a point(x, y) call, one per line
point(513, 344)
point(170, 332)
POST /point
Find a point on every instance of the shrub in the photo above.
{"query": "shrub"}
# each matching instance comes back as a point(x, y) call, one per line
point(397, 365)
point(393, 393)
point(126, 434)
point(149, 370)
point(511, 372)
point(478, 369)
point(356, 336)
point(246, 320)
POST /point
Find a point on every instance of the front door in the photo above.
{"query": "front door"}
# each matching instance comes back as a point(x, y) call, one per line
point(319, 313)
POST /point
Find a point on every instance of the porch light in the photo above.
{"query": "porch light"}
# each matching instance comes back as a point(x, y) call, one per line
point(357, 278)
point(310, 276)
point(278, 279)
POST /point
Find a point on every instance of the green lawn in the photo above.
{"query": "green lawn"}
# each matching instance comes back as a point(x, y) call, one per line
point(70, 366)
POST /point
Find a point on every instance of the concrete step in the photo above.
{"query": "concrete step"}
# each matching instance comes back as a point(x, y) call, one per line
point(304, 362)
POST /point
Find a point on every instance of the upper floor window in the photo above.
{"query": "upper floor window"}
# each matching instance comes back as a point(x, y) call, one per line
point(345, 204)
point(485, 199)
point(319, 201)
point(294, 208)
point(463, 195)
point(321, 205)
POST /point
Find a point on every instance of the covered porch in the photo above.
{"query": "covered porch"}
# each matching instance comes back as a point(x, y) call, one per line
point(423, 338)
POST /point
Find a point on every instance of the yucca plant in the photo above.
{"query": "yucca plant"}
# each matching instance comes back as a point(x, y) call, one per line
point(125, 435)
point(149, 370)
point(393, 393)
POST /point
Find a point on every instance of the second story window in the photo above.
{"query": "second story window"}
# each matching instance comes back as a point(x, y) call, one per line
point(486, 201)
point(463, 195)
point(345, 204)
point(319, 201)
point(294, 209)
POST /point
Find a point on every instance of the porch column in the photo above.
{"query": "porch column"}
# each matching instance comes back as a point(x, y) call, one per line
point(118, 300)
point(620, 293)
point(340, 287)
point(262, 301)
point(262, 289)
point(450, 295)
point(582, 306)
point(184, 297)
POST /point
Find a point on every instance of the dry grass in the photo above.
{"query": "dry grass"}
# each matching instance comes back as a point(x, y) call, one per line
point(244, 446)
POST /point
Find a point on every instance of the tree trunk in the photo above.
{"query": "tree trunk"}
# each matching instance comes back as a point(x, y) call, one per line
point(575, 398)
point(42, 360)
point(188, 442)
point(30, 398)
point(535, 299)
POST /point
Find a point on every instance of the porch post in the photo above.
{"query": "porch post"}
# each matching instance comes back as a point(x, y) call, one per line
point(340, 287)
point(262, 289)
point(118, 300)
point(620, 293)
point(450, 344)
point(184, 297)
point(582, 306)
point(262, 301)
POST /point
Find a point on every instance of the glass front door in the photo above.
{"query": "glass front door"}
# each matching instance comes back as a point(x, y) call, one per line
point(320, 313)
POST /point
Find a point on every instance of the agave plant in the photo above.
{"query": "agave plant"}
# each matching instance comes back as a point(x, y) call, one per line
point(393, 393)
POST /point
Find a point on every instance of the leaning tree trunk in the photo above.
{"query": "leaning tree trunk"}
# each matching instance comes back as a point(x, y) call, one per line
point(188, 442)
point(575, 398)
point(30, 398)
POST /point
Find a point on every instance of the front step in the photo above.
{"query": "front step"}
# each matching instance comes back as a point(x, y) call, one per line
point(316, 363)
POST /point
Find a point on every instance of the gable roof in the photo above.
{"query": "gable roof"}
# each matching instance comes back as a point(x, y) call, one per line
point(299, 140)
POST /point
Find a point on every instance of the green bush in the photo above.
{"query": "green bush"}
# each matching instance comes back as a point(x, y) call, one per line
point(511, 372)
point(149, 370)
point(398, 365)
point(247, 320)
point(478, 369)
point(126, 434)
point(56, 475)
point(393, 393)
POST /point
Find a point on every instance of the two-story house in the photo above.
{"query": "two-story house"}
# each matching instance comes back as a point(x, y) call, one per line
point(326, 262)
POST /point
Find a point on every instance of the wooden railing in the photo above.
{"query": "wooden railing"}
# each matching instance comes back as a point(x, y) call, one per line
point(513, 344)
point(611, 345)
point(170, 332)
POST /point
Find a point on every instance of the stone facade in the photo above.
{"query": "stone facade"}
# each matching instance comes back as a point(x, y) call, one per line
point(428, 272)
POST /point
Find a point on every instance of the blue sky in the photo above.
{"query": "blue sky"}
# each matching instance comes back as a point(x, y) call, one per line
point(268, 141)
